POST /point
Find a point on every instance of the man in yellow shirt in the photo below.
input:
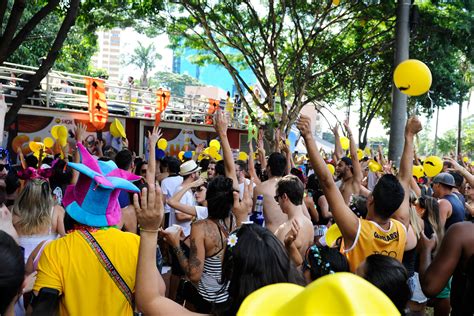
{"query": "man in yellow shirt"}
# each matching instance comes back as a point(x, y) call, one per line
point(384, 231)
point(90, 271)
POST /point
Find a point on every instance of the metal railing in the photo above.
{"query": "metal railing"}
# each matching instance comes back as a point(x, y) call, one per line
point(62, 90)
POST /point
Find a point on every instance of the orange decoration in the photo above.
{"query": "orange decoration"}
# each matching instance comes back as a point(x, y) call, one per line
point(162, 100)
point(213, 106)
point(98, 112)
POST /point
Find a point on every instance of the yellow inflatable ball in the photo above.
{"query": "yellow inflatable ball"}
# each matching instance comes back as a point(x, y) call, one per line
point(418, 171)
point(181, 155)
point(360, 154)
point(432, 166)
point(331, 168)
point(465, 159)
point(412, 77)
point(345, 142)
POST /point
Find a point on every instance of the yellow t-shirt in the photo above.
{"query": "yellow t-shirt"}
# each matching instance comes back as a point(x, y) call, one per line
point(373, 239)
point(70, 266)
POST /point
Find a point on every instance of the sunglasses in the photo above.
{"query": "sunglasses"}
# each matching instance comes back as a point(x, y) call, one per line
point(3, 166)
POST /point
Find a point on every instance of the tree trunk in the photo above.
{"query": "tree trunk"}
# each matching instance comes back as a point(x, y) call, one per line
point(10, 29)
point(47, 63)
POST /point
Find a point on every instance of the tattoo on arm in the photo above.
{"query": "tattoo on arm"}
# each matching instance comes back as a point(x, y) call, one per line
point(194, 262)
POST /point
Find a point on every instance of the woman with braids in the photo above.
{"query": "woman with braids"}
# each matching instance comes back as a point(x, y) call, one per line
point(320, 261)
point(208, 240)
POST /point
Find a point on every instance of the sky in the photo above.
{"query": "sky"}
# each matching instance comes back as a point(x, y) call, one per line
point(448, 116)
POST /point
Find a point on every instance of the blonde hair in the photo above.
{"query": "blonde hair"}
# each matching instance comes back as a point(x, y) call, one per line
point(415, 220)
point(33, 207)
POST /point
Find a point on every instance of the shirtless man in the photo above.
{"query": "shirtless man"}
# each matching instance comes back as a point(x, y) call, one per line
point(289, 194)
point(454, 258)
point(349, 170)
point(272, 213)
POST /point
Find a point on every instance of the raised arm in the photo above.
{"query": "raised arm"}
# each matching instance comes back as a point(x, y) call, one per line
point(153, 138)
point(463, 171)
point(220, 125)
point(150, 287)
point(252, 172)
point(346, 220)
point(338, 152)
point(406, 169)
point(175, 203)
point(356, 168)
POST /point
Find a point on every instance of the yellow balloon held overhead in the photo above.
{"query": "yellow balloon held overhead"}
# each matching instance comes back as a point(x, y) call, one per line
point(215, 143)
point(36, 146)
point(243, 156)
point(432, 166)
point(162, 144)
point(331, 168)
point(367, 151)
point(344, 142)
point(180, 155)
point(418, 171)
point(48, 142)
point(213, 152)
point(412, 77)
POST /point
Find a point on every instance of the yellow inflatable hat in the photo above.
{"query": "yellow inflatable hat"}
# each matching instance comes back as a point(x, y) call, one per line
point(332, 235)
point(243, 156)
point(334, 294)
point(117, 130)
point(374, 166)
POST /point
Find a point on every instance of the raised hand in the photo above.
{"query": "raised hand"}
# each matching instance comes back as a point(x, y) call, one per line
point(220, 122)
point(154, 136)
point(149, 207)
point(292, 233)
point(304, 125)
point(80, 132)
point(413, 126)
point(242, 208)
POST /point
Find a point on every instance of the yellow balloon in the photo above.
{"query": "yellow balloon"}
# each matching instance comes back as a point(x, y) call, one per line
point(243, 156)
point(418, 171)
point(332, 235)
point(215, 143)
point(367, 151)
point(345, 142)
point(54, 131)
point(48, 142)
point(412, 77)
point(374, 166)
point(162, 144)
point(206, 151)
point(465, 159)
point(432, 166)
point(335, 2)
point(213, 152)
point(218, 157)
point(62, 132)
point(180, 155)
point(36, 146)
point(331, 168)
point(360, 154)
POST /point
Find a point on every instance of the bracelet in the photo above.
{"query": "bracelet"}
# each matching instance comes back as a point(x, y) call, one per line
point(149, 230)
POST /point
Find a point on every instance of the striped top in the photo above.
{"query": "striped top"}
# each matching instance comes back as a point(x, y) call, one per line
point(209, 286)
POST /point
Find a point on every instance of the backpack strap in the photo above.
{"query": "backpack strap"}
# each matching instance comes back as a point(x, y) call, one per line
point(108, 266)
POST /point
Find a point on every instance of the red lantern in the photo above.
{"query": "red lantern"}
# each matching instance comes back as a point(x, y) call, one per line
point(98, 112)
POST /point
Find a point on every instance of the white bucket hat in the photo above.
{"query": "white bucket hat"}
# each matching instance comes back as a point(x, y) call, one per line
point(188, 167)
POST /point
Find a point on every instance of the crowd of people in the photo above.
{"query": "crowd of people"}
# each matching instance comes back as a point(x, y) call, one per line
point(102, 232)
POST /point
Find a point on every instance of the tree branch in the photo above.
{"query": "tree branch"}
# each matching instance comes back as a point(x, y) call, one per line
point(12, 25)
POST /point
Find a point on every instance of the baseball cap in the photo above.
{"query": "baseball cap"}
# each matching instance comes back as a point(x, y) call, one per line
point(445, 178)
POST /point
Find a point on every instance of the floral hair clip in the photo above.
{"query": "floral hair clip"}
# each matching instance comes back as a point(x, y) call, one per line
point(232, 240)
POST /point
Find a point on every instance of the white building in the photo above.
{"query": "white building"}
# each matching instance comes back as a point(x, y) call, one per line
point(108, 56)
